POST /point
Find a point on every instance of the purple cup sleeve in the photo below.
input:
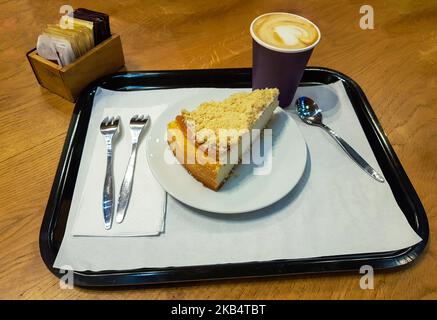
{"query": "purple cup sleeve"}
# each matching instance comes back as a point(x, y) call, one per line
point(282, 70)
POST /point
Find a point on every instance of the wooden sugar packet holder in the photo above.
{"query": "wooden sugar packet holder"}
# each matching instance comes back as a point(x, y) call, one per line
point(107, 57)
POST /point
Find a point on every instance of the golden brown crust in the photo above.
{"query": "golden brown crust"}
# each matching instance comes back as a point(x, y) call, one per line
point(200, 173)
point(206, 174)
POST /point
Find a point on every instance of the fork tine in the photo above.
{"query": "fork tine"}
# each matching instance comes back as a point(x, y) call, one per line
point(103, 123)
point(139, 119)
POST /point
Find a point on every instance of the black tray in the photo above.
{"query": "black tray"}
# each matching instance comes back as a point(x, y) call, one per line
point(55, 218)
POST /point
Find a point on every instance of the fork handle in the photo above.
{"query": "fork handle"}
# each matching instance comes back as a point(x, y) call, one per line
point(354, 155)
point(126, 186)
point(108, 188)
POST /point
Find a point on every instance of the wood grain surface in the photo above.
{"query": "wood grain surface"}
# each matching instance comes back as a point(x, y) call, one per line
point(396, 65)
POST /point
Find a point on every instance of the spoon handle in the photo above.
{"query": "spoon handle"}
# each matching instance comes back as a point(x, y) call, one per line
point(354, 155)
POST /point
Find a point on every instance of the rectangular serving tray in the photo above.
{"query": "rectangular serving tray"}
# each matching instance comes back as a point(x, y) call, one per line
point(56, 214)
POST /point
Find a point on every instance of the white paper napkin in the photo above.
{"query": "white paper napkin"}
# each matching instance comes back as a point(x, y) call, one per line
point(335, 209)
point(146, 210)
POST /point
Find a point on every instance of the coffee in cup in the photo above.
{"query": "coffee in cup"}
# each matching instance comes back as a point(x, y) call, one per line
point(282, 45)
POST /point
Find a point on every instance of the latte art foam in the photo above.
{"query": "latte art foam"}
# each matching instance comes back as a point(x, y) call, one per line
point(285, 31)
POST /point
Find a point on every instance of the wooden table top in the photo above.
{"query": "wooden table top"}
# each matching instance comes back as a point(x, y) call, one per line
point(395, 64)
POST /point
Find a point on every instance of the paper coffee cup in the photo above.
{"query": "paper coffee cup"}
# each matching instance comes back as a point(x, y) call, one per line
point(279, 67)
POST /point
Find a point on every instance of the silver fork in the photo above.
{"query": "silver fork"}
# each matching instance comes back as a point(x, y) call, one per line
point(109, 128)
point(137, 123)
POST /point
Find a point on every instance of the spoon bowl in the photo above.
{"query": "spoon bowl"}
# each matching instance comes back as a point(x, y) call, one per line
point(309, 111)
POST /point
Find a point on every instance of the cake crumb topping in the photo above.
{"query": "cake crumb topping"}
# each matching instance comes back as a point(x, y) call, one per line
point(237, 112)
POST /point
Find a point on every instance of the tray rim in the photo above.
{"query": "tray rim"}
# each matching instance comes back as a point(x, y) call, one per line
point(342, 263)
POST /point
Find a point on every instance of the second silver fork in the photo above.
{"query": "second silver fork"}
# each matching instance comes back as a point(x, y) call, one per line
point(137, 124)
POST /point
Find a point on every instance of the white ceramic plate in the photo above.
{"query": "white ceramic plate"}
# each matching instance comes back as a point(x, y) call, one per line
point(243, 191)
